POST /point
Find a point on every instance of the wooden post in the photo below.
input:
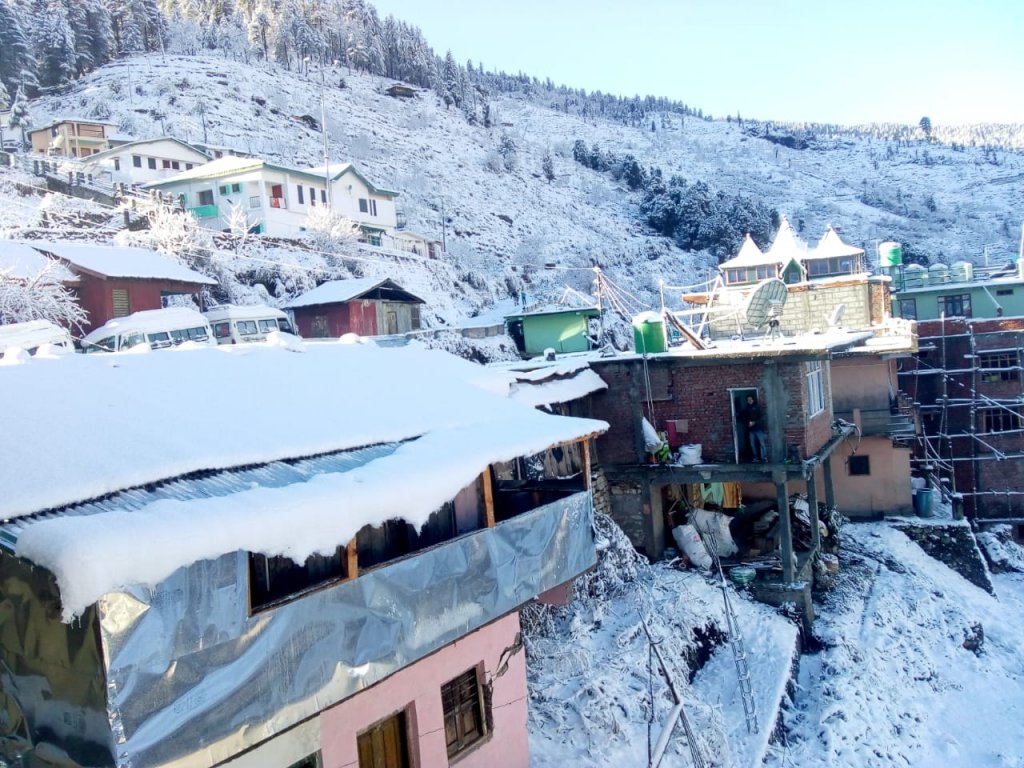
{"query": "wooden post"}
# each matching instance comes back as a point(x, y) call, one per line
point(830, 493)
point(785, 527)
point(488, 497)
point(351, 559)
point(812, 502)
point(586, 465)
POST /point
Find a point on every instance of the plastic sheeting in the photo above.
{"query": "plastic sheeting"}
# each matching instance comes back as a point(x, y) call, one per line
point(192, 678)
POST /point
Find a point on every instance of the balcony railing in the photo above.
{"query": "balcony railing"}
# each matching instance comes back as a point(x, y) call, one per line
point(205, 211)
point(278, 202)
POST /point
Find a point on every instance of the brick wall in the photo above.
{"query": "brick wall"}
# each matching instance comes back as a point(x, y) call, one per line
point(697, 399)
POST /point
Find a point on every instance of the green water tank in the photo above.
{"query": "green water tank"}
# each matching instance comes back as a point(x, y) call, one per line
point(649, 333)
point(890, 254)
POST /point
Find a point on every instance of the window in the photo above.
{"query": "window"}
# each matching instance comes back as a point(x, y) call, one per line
point(206, 197)
point(159, 340)
point(999, 366)
point(246, 327)
point(236, 187)
point(136, 161)
point(266, 326)
point(101, 345)
point(1004, 292)
point(312, 196)
point(222, 330)
point(955, 306)
point(463, 712)
point(750, 274)
point(838, 265)
point(313, 761)
point(323, 196)
point(302, 199)
point(117, 164)
point(859, 465)
point(223, 189)
point(166, 164)
point(151, 162)
point(175, 165)
point(815, 388)
point(121, 304)
point(198, 334)
point(188, 166)
point(132, 340)
point(274, 579)
point(364, 205)
point(999, 420)
point(385, 744)
point(908, 309)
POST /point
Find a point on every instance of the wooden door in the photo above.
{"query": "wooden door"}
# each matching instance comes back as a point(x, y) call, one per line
point(384, 745)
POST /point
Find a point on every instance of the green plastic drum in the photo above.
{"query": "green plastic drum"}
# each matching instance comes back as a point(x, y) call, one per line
point(649, 333)
point(890, 254)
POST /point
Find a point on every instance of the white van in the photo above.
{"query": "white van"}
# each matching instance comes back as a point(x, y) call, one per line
point(159, 328)
point(241, 324)
point(32, 335)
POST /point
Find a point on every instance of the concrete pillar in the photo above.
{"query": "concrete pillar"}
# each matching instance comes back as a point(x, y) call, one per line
point(830, 493)
point(785, 526)
point(812, 502)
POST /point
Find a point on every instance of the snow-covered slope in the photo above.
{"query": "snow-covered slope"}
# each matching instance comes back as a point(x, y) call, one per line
point(502, 227)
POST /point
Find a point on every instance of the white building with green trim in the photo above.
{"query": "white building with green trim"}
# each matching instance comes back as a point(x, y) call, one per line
point(277, 200)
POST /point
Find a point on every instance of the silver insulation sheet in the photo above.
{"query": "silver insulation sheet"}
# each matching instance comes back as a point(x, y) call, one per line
point(193, 678)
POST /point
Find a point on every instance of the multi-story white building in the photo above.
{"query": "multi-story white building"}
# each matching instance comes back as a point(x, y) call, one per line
point(140, 162)
point(277, 200)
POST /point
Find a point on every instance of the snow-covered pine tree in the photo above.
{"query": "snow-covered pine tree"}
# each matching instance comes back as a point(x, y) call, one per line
point(20, 117)
point(58, 62)
point(547, 166)
point(449, 85)
point(17, 64)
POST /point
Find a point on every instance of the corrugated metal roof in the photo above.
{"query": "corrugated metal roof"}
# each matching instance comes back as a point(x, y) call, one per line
point(208, 484)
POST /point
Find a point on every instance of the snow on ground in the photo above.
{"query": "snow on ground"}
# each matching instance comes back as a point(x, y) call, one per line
point(506, 227)
point(894, 684)
point(592, 678)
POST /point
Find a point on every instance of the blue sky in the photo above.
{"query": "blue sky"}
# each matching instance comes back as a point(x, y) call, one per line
point(824, 61)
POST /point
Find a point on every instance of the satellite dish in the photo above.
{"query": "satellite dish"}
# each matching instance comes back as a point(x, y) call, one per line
point(764, 307)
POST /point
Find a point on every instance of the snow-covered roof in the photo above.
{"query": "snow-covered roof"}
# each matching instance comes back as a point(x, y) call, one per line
point(242, 312)
point(98, 156)
point(337, 291)
point(337, 170)
point(117, 261)
point(787, 246)
point(557, 384)
point(831, 245)
point(171, 413)
point(749, 256)
point(171, 318)
point(223, 166)
point(20, 261)
point(66, 120)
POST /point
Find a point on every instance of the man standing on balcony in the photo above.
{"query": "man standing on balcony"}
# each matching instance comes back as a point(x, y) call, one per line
point(753, 419)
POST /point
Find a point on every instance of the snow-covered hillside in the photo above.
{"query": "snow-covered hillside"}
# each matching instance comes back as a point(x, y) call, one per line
point(505, 227)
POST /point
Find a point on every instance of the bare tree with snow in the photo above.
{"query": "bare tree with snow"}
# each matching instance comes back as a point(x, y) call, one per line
point(42, 296)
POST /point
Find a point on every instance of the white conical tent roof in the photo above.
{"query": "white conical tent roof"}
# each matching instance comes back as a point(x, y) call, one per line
point(832, 245)
point(749, 256)
point(787, 245)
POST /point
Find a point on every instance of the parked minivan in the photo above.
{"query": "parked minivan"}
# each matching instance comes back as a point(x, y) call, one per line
point(159, 328)
point(241, 324)
point(33, 334)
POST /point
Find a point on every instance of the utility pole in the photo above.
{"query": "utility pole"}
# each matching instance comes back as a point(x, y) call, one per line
point(444, 227)
point(323, 128)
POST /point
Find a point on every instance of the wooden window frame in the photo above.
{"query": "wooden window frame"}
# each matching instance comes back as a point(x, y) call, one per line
point(462, 700)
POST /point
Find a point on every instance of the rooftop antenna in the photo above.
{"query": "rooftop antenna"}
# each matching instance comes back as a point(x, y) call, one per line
point(764, 307)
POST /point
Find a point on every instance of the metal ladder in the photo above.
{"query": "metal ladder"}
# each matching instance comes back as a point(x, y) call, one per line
point(739, 653)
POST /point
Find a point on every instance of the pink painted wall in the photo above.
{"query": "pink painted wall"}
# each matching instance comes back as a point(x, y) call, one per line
point(417, 690)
